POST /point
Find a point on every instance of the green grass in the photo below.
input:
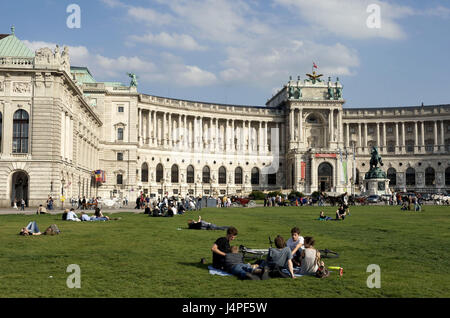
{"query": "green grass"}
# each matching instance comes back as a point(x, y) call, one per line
point(140, 256)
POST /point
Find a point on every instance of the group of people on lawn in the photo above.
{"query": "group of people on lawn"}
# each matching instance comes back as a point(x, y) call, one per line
point(70, 215)
point(297, 251)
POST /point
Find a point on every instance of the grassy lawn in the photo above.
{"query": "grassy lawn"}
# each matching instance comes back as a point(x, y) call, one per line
point(141, 256)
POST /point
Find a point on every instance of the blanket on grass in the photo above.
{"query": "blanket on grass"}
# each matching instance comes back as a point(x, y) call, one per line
point(215, 271)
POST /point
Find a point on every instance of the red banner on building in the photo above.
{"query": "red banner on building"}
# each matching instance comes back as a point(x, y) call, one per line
point(325, 155)
point(303, 170)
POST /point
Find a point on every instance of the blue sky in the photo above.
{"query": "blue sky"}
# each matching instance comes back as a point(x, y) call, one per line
point(241, 52)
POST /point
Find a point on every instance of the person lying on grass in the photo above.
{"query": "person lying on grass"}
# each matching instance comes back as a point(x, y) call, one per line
point(98, 216)
point(234, 264)
point(323, 217)
point(202, 225)
point(222, 246)
point(310, 259)
point(279, 258)
point(31, 229)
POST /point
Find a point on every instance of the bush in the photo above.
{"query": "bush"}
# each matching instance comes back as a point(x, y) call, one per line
point(295, 194)
point(256, 195)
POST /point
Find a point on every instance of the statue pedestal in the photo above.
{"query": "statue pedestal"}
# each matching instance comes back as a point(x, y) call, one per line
point(377, 186)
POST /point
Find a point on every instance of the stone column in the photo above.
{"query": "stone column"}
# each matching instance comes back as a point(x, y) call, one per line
point(291, 128)
point(378, 135)
point(300, 123)
point(155, 131)
point(170, 126)
point(332, 137)
point(416, 137)
point(396, 138)
point(359, 138)
point(340, 128)
point(423, 137)
point(384, 138)
point(140, 125)
point(264, 145)
point(435, 137)
point(347, 135)
point(260, 141)
point(403, 137)
point(185, 132)
point(365, 136)
point(201, 134)
point(164, 125)
point(442, 137)
point(233, 133)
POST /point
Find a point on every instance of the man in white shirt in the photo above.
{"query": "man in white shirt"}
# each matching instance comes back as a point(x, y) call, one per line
point(295, 244)
point(71, 216)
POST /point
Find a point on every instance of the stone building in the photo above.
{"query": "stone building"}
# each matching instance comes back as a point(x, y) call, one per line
point(58, 125)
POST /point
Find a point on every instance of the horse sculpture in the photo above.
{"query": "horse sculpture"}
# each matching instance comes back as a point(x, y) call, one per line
point(375, 159)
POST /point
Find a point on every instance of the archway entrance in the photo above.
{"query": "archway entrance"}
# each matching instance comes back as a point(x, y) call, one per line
point(325, 171)
point(19, 187)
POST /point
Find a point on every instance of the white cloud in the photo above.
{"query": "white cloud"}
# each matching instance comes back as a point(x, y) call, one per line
point(149, 16)
point(349, 17)
point(174, 40)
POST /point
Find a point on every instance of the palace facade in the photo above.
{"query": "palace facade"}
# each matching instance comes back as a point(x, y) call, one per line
point(58, 125)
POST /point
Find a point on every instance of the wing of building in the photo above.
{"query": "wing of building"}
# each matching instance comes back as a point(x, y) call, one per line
point(65, 135)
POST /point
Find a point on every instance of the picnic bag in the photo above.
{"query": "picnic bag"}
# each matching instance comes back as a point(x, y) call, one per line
point(322, 272)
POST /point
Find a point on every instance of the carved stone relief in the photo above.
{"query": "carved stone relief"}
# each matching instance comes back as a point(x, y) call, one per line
point(21, 87)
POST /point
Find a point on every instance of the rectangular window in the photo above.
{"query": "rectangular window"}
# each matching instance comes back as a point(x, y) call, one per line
point(409, 129)
point(430, 128)
point(390, 129)
point(119, 179)
point(371, 130)
point(120, 109)
point(120, 156)
point(120, 134)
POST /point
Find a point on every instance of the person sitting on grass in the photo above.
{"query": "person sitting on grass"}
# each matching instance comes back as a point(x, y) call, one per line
point(222, 246)
point(71, 215)
point(310, 258)
point(234, 264)
point(404, 206)
point(31, 229)
point(41, 210)
point(295, 243)
point(202, 225)
point(341, 213)
point(279, 258)
point(323, 217)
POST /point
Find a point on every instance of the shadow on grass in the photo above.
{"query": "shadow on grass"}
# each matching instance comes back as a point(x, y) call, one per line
point(195, 264)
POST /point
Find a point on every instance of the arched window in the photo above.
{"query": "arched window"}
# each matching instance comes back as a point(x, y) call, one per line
point(447, 176)
point(222, 175)
point(144, 172)
point(325, 176)
point(410, 177)
point(20, 131)
point(255, 176)
point(430, 177)
point(238, 175)
point(392, 176)
point(159, 172)
point(174, 174)
point(206, 174)
point(119, 133)
point(119, 179)
point(190, 174)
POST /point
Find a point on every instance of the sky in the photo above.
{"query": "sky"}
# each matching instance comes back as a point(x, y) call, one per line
point(385, 53)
